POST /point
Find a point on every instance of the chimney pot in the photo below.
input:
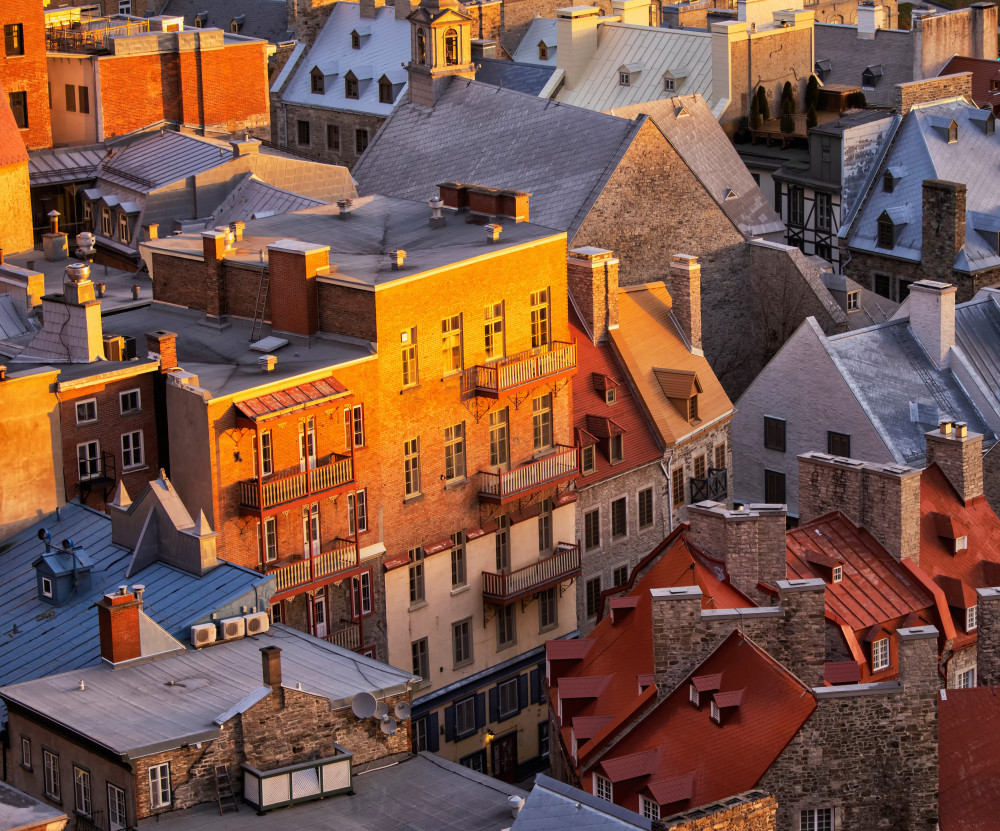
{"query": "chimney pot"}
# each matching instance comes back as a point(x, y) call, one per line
point(436, 203)
point(961, 429)
point(54, 221)
point(267, 363)
point(344, 206)
point(945, 427)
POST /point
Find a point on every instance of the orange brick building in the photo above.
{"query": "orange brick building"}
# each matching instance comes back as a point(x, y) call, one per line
point(23, 72)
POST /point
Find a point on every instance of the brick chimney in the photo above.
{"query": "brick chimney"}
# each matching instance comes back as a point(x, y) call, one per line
point(883, 499)
point(270, 657)
point(959, 454)
point(164, 344)
point(932, 318)
point(988, 637)
point(943, 226)
point(750, 541)
point(118, 617)
point(592, 279)
point(293, 267)
point(685, 292)
point(213, 245)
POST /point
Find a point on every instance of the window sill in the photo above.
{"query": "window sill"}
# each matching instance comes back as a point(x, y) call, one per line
point(421, 684)
point(417, 497)
point(418, 605)
point(466, 735)
point(135, 468)
point(456, 483)
point(462, 664)
point(26, 767)
point(86, 423)
point(505, 716)
point(131, 413)
point(460, 589)
point(541, 454)
point(410, 388)
point(506, 646)
point(543, 629)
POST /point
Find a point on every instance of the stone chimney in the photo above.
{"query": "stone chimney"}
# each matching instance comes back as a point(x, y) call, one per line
point(750, 541)
point(632, 11)
point(801, 637)
point(883, 499)
point(247, 146)
point(676, 618)
point(592, 279)
point(685, 292)
point(271, 660)
point(164, 344)
point(918, 659)
point(984, 30)
point(118, 617)
point(370, 8)
point(293, 267)
point(959, 454)
point(942, 226)
point(576, 40)
point(871, 16)
point(932, 318)
point(988, 637)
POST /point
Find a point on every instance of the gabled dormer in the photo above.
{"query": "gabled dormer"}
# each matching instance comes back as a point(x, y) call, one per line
point(62, 572)
point(951, 532)
point(628, 74)
point(236, 23)
point(682, 388)
point(673, 80)
point(890, 225)
point(871, 75)
point(606, 387)
point(360, 35)
point(201, 20)
point(390, 85)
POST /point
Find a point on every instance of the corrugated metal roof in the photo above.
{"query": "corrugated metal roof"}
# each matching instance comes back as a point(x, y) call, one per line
point(64, 164)
point(160, 159)
point(541, 30)
point(291, 398)
point(685, 53)
point(252, 197)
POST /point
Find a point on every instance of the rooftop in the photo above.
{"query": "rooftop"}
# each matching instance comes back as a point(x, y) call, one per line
point(531, 78)
point(969, 759)
point(20, 811)
point(265, 19)
point(977, 334)
point(553, 805)
point(541, 30)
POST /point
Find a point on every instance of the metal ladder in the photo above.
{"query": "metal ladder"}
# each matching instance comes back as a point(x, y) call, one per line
point(224, 790)
point(258, 309)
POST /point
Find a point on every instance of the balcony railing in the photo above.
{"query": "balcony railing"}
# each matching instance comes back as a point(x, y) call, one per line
point(91, 35)
point(340, 557)
point(348, 638)
point(299, 485)
point(499, 487)
point(518, 370)
point(266, 789)
point(714, 486)
point(562, 565)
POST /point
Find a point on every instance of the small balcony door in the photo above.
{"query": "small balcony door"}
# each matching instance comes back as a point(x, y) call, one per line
point(310, 530)
point(319, 616)
point(307, 445)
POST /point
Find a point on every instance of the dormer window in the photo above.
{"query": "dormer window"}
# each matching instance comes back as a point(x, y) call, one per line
point(953, 132)
point(716, 714)
point(871, 76)
point(355, 40)
point(385, 95)
point(838, 574)
point(611, 396)
point(669, 84)
point(124, 232)
point(853, 301)
point(543, 51)
point(682, 388)
point(692, 409)
point(421, 47)
point(625, 79)
point(351, 88)
point(880, 654)
point(588, 459)
point(886, 232)
point(970, 618)
point(47, 587)
point(888, 182)
point(236, 24)
point(616, 449)
point(451, 56)
point(199, 22)
point(317, 82)
point(961, 543)
point(695, 697)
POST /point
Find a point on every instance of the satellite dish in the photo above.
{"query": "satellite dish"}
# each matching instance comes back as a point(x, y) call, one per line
point(381, 710)
point(363, 705)
point(402, 710)
point(388, 725)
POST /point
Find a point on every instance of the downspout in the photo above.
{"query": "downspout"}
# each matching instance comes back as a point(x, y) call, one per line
point(670, 496)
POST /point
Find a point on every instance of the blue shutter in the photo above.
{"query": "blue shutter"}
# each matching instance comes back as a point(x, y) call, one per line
point(480, 710)
point(494, 705)
point(536, 685)
point(522, 692)
point(449, 723)
point(433, 730)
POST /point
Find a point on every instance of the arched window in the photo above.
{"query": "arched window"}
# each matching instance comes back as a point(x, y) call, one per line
point(451, 47)
point(421, 47)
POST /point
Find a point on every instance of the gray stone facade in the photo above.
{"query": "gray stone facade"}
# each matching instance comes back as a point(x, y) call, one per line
point(333, 134)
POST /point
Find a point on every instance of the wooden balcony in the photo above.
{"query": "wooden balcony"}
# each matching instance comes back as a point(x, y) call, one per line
point(290, 487)
point(714, 486)
point(564, 564)
point(348, 638)
point(499, 488)
point(339, 558)
point(520, 370)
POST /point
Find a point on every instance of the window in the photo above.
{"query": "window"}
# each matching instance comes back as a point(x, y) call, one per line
point(774, 487)
point(46, 587)
point(355, 40)
point(333, 137)
point(543, 738)
point(360, 141)
point(409, 341)
point(465, 717)
point(493, 330)
point(19, 106)
point(503, 543)
point(880, 654)
point(616, 446)
point(961, 543)
point(361, 595)
point(310, 530)
point(539, 319)
point(816, 819)
point(541, 421)
point(700, 465)
point(474, 761)
point(81, 791)
point(714, 713)
point(966, 680)
point(970, 618)
point(620, 576)
point(886, 233)
point(498, 438)
point(618, 517)
point(317, 83)
point(451, 56)
point(838, 574)
point(354, 419)
point(88, 456)
point(124, 6)
point(276, 613)
point(357, 512)
point(129, 402)
point(888, 182)
point(421, 46)
point(416, 556)
point(351, 86)
point(25, 752)
point(385, 95)
point(507, 696)
point(883, 285)
point(70, 98)
point(159, 786)
point(796, 206)
point(106, 222)
point(86, 411)
point(454, 452)
point(88, 215)
point(774, 433)
point(461, 640)
point(506, 632)
point(458, 578)
point(116, 808)
point(199, 22)
point(548, 609)
point(266, 458)
point(451, 343)
point(611, 396)
point(13, 39)
point(648, 808)
point(588, 461)
point(625, 79)
point(545, 526)
point(592, 529)
point(853, 301)
point(131, 449)
point(421, 663)
point(824, 211)
point(303, 133)
point(593, 591)
point(669, 85)
point(838, 444)
point(693, 696)
point(952, 132)
point(602, 788)
point(677, 486)
point(50, 763)
point(270, 540)
point(692, 408)
point(419, 727)
point(124, 232)
point(411, 467)
point(543, 51)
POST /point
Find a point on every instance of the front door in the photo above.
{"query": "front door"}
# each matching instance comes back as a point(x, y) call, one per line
point(307, 445)
point(319, 616)
point(505, 757)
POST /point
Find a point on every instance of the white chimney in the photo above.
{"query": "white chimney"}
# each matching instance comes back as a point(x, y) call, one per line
point(576, 40)
point(932, 317)
point(631, 11)
point(871, 16)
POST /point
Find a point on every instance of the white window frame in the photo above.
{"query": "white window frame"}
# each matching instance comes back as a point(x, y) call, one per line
point(132, 450)
point(465, 717)
point(714, 713)
point(357, 511)
point(50, 767)
point(694, 696)
point(127, 394)
point(26, 752)
point(648, 808)
point(46, 587)
point(88, 404)
point(117, 810)
point(961, 543)
point(810, 818)
point(971, 618)
point(966, 680)
point(507, 689)
point(93, 460)
point(269, 546)
point(624, 79)
point(83, 802)
point(669, 85)
point(880, 654)
point(838, 574)
point(361, 594)
point(124, 6)
point(159, 786)
point(603, 788)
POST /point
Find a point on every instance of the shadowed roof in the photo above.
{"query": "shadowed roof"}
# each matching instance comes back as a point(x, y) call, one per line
point(969, 759)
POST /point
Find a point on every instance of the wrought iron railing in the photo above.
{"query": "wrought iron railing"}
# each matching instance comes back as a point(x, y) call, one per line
point(288, 487)
point(563, 564)
point(714, 486)
point(499, 486)
point(517, 370)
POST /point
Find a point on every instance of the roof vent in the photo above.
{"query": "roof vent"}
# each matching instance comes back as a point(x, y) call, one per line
point(344, 206)
point(436, 203)
point(397, 258)
point(267, 362)
point(493, 233)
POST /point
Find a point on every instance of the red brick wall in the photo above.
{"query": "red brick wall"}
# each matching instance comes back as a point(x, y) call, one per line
point(119, 622)
point(28, 72)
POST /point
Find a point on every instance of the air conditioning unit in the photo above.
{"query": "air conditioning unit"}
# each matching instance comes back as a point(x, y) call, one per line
point(114, 347)
point(202, 634)
point(257, 624)
point(232, 628)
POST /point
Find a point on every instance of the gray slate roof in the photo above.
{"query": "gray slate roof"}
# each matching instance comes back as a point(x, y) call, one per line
point(56, 639)
point(921, 151)
point(695, 134)
point(252, 197)
point(142, 708)
point(555, 806)
point(266, 19)
point(977, 334)
point(562, 155)
point(849, 56)
point(520, 77)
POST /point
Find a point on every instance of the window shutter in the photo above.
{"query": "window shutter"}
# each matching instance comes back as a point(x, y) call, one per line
point(536, 685)
point(433, 731)
point(480, 710)
point(522, 692)
point(494, 705)
point(449, 723)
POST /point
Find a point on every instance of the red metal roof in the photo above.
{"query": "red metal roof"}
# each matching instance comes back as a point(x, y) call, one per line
point(969, 759)
point(729, 698)
point(707, 683)
point(960, 595)
point(621, 768)
point(291, 398)
point(568, 650)
point(583, 687)
point(842, 672)
point(586, 727)
point(984, 73)
point(666, 791)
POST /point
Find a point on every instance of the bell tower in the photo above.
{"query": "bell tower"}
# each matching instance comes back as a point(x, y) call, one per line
point(440, 47)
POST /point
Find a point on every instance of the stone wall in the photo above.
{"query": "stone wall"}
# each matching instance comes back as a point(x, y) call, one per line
point(919, 92)
point(333, 134)
point(752, 811)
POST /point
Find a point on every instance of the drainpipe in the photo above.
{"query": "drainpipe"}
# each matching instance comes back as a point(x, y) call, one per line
point(670, 496)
